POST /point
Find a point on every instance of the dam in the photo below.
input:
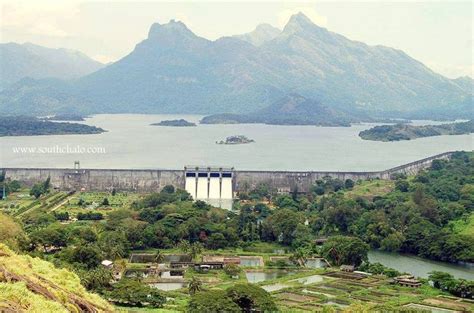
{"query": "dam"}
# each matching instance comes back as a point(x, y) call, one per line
point(202, 182)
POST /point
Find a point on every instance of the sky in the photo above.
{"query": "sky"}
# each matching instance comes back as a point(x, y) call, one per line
point(437, 33)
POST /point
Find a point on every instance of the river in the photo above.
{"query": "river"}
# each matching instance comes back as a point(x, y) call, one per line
point(420, 267)
point(130, 142)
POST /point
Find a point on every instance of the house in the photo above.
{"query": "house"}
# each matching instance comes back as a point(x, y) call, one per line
point(407, 281)
point(347, 268)
point(107, 263)
point(181, 264)
point(320, 241)
point(206, 266)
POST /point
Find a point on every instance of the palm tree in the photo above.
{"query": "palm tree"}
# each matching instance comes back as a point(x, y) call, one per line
point(159, 257)
point(194, 285)
point(195, 250)
point(300, 256)
point(184, 246)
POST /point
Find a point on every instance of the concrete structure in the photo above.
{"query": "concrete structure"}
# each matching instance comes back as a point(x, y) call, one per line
point(209, 183)
point(201, 182)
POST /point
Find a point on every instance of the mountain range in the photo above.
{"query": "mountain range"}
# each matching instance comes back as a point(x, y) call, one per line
point(176, 71)
point(18, 61)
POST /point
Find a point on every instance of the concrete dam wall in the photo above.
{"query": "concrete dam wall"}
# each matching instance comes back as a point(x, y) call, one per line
point(201, 182)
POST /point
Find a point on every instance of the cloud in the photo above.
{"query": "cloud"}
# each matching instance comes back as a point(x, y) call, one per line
point(310, 12)
point(35, 18)
point(452, 70)
point(102, 58)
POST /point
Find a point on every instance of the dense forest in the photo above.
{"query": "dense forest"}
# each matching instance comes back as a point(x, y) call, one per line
point(407, 132)
point(31, 126)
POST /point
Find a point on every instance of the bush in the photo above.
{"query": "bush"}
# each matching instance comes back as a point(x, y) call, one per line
point(232, 269)
point(95, 216)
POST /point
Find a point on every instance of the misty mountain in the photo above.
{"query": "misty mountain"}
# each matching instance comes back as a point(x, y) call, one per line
point(293, 109)
point(18, 61)
point(262, 34)
point(175, 71)
point(466, 83)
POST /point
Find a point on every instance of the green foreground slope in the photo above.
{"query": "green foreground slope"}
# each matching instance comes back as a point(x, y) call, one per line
point(33, 285)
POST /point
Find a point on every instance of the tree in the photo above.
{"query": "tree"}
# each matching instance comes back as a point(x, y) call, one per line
point(194, 285)
point(184, 246)
point(61, 216)
point(300, 256)
point(134, 293)
point(36, 191)
point(251, 298)
point(88, 256)
point(216, 241)
point(159, 257)
point(212, 301)
point(114, 244)
point(10, 231)
point(392, 242)
point(345, 250)
point(348, 184)
point(195, 250)
point(39, 189)
point(105, 201)
point(96, 279)
point(282, 224)
point(402, 185)
point(53, 235)
point(168, 189)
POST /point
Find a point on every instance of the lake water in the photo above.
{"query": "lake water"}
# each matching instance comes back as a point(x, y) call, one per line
point(420, 267)
point(132, 143)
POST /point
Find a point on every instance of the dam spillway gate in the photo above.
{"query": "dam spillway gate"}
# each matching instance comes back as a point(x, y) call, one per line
point(214, 185)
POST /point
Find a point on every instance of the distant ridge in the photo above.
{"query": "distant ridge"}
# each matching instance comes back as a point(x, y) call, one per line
point(19, 61)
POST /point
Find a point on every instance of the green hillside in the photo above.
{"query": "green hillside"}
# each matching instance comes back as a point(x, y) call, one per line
point(33, 285)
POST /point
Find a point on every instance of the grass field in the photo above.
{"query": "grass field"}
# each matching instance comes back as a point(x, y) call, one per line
point(368, 189)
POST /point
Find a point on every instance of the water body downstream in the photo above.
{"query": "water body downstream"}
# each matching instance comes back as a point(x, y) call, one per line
point(132, 143)
point(420, 267)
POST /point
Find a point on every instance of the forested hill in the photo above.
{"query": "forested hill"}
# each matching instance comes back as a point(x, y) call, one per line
point(292, 109)
point(407, 132)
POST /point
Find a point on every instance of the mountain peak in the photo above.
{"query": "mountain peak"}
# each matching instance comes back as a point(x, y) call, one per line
point(173, 26)
point(298, 22)
point(261, 34)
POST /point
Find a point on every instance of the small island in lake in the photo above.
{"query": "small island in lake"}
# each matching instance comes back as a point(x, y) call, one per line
point(235, 140)
point(32, 126)
point(407, 132)
point(175, 123)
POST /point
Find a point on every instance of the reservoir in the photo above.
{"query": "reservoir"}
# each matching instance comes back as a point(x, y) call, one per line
point(130, 142)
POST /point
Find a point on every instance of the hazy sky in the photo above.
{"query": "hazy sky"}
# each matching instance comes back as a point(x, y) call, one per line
point(439, 34)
